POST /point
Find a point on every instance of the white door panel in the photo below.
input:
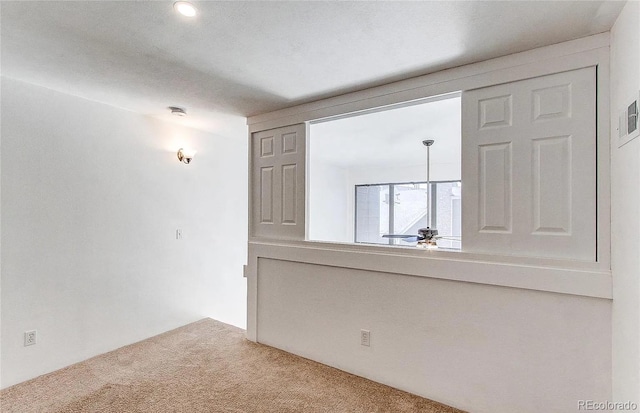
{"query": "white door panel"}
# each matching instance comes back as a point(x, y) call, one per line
point(529, 167)
point(278, 164)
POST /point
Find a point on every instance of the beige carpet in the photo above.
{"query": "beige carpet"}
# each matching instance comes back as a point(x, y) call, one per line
point(206, 366)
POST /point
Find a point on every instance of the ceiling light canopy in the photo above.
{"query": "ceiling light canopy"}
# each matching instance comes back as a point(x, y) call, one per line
point(185, 8)
point(177, 111)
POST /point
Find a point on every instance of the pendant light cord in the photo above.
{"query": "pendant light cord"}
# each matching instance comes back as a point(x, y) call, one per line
point(428, 143)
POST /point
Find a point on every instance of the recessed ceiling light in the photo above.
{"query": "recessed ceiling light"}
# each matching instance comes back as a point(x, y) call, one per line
point(177, 111)
point(185, 8)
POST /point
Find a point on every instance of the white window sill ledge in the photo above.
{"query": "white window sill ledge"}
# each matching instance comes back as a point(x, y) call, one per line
point(580, 278)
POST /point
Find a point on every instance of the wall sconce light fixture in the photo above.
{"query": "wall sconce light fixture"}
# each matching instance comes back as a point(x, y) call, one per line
point(185, 156)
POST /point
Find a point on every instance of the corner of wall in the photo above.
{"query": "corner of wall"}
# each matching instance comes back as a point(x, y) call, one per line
point(92, 227)
point(625, 208)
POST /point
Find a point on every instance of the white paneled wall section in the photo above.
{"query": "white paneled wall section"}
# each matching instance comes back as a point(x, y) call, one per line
point(529, 167)
point(278, 189)
point(534, 320)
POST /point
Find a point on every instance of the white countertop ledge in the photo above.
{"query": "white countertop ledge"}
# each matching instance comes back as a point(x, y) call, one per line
point(589, 279)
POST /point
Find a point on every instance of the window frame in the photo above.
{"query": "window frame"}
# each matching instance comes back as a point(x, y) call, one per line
point(391, 186)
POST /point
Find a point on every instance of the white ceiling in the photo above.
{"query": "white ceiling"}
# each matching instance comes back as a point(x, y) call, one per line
point(246, 58)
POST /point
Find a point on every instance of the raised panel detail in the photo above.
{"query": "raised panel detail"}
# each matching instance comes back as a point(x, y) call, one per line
point(552, 185)
point(532, 189)
point(266, 146)
point(495, 112)
point(552, 102)
point(289, 194)
point(278, 183)
point(495, 187)
point(266, 195)
point(289, 143)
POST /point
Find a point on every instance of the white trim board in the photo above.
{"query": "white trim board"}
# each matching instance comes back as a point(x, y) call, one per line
point(547, 275)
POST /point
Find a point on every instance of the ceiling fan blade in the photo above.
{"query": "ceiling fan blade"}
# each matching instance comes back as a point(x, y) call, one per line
point(410, 239)
point(397, 236)
point(452, 238)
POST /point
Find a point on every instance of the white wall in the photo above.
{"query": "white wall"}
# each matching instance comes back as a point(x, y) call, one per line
point(406, 173)
point(91, 198)
point(328, 203)
point(625, 209)
point(476, 347)
point(1, 368)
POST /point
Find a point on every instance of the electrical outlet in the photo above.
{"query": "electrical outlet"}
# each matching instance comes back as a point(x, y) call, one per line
point(178, 234)
point(365, 338)
point(30, 337)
